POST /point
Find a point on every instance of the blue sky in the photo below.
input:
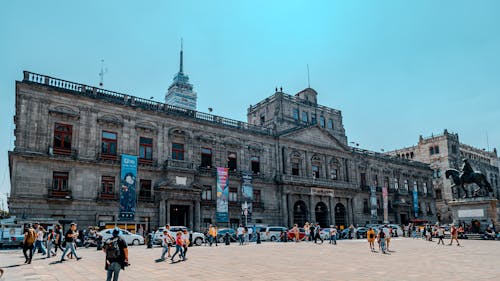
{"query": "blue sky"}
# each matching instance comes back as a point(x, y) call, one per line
point(396, 69)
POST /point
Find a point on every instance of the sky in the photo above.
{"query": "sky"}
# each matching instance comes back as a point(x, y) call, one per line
point(396, 69)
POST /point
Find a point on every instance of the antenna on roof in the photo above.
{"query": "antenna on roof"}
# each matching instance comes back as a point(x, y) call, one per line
point(308, 81)
point(487, 141)
point(101, 74)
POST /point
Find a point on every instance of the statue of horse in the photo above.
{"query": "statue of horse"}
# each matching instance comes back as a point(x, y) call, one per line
point(474, 177)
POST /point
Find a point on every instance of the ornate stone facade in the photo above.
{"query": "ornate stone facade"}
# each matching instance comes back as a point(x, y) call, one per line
point(69, 138)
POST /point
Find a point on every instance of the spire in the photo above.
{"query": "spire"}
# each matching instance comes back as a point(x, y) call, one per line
point(180, 71)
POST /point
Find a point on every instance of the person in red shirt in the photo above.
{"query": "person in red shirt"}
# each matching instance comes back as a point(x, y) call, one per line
point(454, 235)
point(179, 243)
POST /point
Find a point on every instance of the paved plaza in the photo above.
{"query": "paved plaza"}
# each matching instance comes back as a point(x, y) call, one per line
point(349, 260)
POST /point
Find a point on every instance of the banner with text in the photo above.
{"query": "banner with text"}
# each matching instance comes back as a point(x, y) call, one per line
point(373, 203)
point(415, 202)
point(127, 187)
point(222, 214)
point(247, 192)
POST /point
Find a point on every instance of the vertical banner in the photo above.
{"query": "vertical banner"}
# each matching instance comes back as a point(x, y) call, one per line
point(127, 187)
point(415, 202)
point(373, 202)
point(222, 214)
point(247, 191)
point(386, 204)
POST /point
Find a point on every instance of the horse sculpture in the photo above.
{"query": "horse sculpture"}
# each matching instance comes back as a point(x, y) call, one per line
point(474, 177)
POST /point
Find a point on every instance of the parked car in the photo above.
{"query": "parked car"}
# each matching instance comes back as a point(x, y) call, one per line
point(222, 232)
point(195, 238)
point(291, 235)
point(130, 238)
point(11, 235)
point(272, 233)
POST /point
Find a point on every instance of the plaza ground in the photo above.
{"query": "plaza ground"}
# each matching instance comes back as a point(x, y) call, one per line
point(349, 260)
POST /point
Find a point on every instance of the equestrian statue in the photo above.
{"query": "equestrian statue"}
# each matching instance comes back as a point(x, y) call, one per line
point(467, 176)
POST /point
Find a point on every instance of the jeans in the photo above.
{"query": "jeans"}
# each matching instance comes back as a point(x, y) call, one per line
point(113, 270)
point(382, 245)
point(69, 246)
point(26, 248)
point(240, 237)
point(39, 245)
point(50, 244)
point(178, 249)
point(333, 239)
point(165, 250)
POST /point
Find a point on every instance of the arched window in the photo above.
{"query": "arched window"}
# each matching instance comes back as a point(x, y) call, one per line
point(295, 163)
point(322, 121)
point(316, 166)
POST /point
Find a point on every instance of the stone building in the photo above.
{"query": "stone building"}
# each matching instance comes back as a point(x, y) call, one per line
point(443, 152)
point(70, 136)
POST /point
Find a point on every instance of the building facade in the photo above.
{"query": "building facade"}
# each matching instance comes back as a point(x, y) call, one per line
point(70, 136)
point(443, 152)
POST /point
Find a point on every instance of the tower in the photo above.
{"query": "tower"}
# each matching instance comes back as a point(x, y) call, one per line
point(180, 93)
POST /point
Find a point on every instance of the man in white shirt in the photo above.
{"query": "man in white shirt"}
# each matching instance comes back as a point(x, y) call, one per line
point(240, 231)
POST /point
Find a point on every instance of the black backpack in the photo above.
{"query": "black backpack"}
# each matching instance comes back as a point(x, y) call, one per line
point(113, 249)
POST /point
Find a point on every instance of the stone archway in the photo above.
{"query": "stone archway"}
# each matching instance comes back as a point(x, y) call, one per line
point(322, 214)
point(340, 215)
point(299, 213)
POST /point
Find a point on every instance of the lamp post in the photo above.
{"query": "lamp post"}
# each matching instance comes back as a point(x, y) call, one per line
point(245, 212)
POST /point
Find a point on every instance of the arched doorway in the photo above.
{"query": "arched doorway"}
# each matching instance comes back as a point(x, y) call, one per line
point(322, 215)
point(299, 213)
point(340, 215)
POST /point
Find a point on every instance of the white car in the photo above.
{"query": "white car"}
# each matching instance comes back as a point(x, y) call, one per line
point(130, 238)
point(272, 233)
point(196, 238)
point(396, 230)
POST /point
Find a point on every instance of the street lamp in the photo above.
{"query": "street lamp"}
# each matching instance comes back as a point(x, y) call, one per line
point(245, 212)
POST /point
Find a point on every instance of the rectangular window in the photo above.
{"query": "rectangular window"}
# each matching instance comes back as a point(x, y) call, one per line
point(322, 121)
point(406, 185)
point(396, 183)
point(231, 161)
point(315, 171)
point(107, 184)
point(206, 157)
point(330, 124)
point(262, 118)
point(233, 194)
point(62, 138)
point(146, 190)
point(295, 168)
point(375, 180)
point(177, 151)
point(109, 144)
point(60, 181)
point(313, 118)
point(255, 163)
point(415, 186)
point(334, 174)
point(453, 148)
point(256, 195)
point(436, 149)
point(363, 179)
point(305, 116)
point(296, 114)
point(431, 150)
point(145, 149)
point(206, 194)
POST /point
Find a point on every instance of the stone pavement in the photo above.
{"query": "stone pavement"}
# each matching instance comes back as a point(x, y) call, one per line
point(349, 260)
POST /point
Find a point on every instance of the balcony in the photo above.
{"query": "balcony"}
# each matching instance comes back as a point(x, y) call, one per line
point(208, 203)
point(107, 157)
point(258, 205)
point(146, 162)
point(316, 182)
point(60, 194)
point(107, 196)
point(63, 152)
point(402, 191)
point(207, 171)
point(172, 164)
point(365, 187)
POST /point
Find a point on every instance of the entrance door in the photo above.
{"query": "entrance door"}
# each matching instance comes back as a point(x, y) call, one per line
point(299, 213)
point(404, 218)
point(179, 215)
point(322, 215)
point(340, 215)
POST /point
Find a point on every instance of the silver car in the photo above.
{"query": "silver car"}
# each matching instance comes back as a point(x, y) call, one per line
point(130, 238)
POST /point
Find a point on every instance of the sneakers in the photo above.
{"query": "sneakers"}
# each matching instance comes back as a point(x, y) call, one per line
point(79, 258)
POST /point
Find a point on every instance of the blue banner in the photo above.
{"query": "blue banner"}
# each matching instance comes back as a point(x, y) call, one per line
point(247, 192)
point(373, 203)
point(222, 214)
point(127, 187)
point(415, 202)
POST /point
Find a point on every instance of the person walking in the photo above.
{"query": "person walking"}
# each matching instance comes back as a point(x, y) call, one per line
point(167, 242)
point(28, 241)
point(39, 241)
point(295, 231)
point(317, 234)
point(440, 234)
point(333, 235)
point(58, 239)
point(370, 236)
point(186, 242)
point(381, 240)
point(307, 230)
point(51, 242)
point(69, 238)
point(179, 242)
point(240, 231)
point(116, 255)
point(388, 237)
point(212, 234)
point(454, 235)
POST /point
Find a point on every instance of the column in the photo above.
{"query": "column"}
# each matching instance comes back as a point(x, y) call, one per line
point(289, 209)
point(197, 215)
point(349, 211)
point(312, 217)
point(284, 208)
point(167, 219)
point(331, 210)
point(191, 216)
point(162, 214)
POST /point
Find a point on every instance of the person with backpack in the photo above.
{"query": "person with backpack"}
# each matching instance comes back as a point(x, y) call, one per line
point(28, 241)
point(370, 236)
point(116, 255)
point(58, 240)
point(381, 240)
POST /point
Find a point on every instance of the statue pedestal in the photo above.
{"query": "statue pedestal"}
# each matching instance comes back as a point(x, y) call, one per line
point(483, 209)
